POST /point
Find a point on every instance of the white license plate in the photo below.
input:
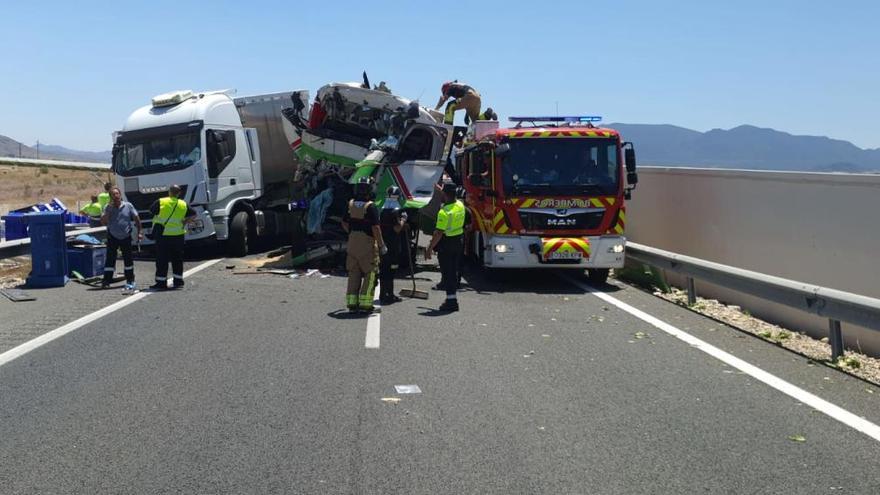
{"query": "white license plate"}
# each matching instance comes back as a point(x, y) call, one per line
point(565, 255)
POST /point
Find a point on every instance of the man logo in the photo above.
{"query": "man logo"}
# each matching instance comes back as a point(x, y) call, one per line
point(562, 212)
point(561, 222)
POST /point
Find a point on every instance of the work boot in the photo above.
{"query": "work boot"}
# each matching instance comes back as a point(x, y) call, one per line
point(159, 286)
point(449, 305)
point(389, 299)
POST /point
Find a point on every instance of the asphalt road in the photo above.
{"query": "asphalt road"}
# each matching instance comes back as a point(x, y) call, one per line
point(259, 384)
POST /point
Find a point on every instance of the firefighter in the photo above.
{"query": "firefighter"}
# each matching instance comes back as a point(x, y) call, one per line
point(170, 214)
point(447, 242)
point(391, 220)
point(361, 221)
point(465, 97)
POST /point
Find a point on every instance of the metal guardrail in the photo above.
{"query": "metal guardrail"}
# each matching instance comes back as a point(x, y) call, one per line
point(34, 162)
point(836, 305)
point(21, 247)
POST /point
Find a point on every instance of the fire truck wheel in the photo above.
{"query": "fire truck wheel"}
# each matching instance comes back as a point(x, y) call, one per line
point(598, 275)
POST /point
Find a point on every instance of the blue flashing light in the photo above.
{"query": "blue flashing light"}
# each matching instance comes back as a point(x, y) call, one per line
point(561, 118)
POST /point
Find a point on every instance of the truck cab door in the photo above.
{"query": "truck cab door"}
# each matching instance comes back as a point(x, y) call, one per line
point(230, 171)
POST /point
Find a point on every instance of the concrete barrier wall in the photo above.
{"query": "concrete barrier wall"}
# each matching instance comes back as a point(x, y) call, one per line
point(818, 228)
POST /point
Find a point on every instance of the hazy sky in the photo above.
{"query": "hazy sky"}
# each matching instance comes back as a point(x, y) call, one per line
point(73, 71)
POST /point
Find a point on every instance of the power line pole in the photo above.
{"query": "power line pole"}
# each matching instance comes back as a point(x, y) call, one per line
point(38, 149)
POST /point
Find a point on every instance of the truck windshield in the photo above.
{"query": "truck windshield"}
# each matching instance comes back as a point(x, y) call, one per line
point(157, 154)
point(561, 166)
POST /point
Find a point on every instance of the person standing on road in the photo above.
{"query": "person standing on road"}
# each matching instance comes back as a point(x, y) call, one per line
point(365, 242)
point(169, 215)
point(391, 220)
point(104, 197)
point(447, 241)
point(118, 217)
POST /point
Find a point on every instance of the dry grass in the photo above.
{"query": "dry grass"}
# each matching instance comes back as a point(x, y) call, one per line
point(25, 185)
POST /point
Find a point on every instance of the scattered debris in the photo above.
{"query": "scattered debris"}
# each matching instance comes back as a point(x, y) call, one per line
point(17, 295)
point(816, 350)
point(797, 438)
point(391, 400)
point(407, 389)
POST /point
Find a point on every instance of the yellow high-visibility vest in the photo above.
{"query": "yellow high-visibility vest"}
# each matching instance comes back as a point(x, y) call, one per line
point(93, 209)
point(103, 199)
point(450, 219)
point(171, 217)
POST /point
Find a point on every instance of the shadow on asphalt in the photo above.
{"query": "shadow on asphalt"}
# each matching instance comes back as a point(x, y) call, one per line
point(542, 281)
point(344, 314)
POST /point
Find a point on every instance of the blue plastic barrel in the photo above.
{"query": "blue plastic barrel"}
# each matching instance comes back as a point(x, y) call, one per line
point(48, 249)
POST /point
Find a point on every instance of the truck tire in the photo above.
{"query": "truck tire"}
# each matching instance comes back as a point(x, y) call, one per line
point(237, 245)
point(598, 275)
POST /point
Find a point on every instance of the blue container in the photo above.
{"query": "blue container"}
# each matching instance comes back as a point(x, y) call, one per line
point(16, 226)
point(87, 260)
point(48, 249)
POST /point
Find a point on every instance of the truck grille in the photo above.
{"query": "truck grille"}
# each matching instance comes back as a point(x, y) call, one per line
point(142, 201)
point(550, 220)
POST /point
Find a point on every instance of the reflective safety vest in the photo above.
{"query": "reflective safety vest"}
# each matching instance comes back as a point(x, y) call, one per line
point(93, 209)
point(103, 199)
point(170, 216)
point(450, 219)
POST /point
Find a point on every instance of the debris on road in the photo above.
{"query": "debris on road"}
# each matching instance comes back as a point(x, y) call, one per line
point(797, 438)
point(407, 389)
point(17, 295)
point(391, 400)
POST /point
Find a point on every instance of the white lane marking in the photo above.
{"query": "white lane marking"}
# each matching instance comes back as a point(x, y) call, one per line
point(65, 329)
point(836, 412)
point(373, 323)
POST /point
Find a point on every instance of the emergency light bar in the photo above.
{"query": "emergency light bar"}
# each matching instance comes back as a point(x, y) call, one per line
point(567, 118)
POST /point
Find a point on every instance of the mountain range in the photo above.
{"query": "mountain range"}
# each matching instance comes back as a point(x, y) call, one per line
point(12, 148)
point(745, 147)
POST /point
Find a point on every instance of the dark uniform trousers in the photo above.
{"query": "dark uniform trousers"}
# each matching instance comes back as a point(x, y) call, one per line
point(114, 245)
point(169, 248)
point(449, 256)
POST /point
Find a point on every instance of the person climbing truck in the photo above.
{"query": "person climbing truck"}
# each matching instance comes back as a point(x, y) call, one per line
point(465, 97)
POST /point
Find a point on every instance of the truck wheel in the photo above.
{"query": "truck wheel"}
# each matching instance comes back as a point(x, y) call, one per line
point(598, 275)
point(237, 245)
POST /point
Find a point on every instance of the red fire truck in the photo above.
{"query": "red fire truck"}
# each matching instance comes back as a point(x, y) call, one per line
point(547, 193)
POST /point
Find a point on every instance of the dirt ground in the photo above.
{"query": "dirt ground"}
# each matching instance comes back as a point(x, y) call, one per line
point(25, 185)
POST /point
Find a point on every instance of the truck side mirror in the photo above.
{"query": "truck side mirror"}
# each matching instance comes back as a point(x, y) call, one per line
point(630, 159)
point(632, 178)
point(502, 149)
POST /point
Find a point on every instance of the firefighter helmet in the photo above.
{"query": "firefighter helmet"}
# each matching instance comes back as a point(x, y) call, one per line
point(392, 192)
point(445, 87)
point(363, 189)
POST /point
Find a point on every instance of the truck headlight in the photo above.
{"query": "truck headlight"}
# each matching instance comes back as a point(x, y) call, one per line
point(197, 225)
point(502, 248)
point(617, 249)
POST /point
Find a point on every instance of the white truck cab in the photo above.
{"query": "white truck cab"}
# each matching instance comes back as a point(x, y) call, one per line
point(229, 156)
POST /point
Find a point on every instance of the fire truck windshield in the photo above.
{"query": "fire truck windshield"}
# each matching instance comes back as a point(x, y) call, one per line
point(158, 154)
point(561, 165)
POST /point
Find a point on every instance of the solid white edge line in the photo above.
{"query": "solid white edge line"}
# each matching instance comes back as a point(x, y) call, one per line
point(30, 345)
point(827, 408)
point(371, 341)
